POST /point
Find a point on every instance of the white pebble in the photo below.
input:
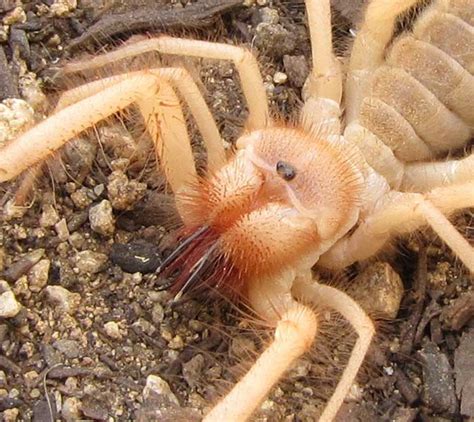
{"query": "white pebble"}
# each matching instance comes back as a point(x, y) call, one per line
point(157, 385)
point(9, 307)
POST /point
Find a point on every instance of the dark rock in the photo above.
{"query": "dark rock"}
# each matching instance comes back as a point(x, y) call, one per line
point(42, 410)
point(464, 370)
point(297, 69)
point(139, 256)
point(438, 392)
point(95, 409)
point(460, 312)
point(23, 265)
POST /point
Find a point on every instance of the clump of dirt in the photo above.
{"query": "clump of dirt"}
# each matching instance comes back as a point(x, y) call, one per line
point(86, 329)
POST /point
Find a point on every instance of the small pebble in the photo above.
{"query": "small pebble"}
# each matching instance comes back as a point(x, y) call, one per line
point(15, 116)
point(63, 298)
point(23, 265)
point(297, 69)
point(71, 410)
point(62, 230)
point(111, 328)
point(38, 275)
point(63, 7)
point(157, 313)
point(280, 78)
point(11, 415)
point(49, 216)
point(81, 198)
point(17, 15)
point(68, 348)
point(90, 262)
point(102, 219)
point(124, 193)
point(9, 307)
point(192, 370)
point(378, 289)
point(157, 385)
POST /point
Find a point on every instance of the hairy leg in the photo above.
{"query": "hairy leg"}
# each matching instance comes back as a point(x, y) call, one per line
point(52, 133)
point(323, 88)
point(294, 334)
point(422, 177)
point(189, 93)
point(250, 77)
point(322, 295)
point(400, 213)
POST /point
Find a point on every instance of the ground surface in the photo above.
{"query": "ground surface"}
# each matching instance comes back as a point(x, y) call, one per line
point(84, 326)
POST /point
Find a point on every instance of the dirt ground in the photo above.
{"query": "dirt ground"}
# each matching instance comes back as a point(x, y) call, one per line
point(87, 331)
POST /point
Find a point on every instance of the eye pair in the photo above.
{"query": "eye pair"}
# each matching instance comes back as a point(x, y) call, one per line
point(285, 170)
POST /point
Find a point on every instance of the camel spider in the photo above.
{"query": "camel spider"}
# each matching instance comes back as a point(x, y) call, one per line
point(293, 197)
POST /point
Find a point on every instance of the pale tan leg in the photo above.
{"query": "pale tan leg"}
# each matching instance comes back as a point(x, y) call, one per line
point(250, 77)
point(323, 88)
point(369, 48)
point(52, 133)
point(190, 94)
point(402, 213)
point(421, 177)
point(322, 295)
point(294, 334)
point(325, 78)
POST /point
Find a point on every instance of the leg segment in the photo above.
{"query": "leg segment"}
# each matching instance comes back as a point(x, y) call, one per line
point(323, 88)
point(189, 93)
point(323, 295)
point(294, 334)
point(52, 133)
point(421, 177)
point(250, 77)
point(402, 213)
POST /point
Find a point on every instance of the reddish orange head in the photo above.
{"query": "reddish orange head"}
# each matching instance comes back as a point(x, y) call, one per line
point(281, 201)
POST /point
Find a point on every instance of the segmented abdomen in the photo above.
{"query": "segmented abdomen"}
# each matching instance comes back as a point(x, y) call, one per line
point(421, 99)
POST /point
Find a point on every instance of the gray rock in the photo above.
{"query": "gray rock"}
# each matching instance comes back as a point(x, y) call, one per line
point(192, 370)
point(157, 385)
point(101, 218)
point(69, 348)
point(274, 39)
point(464, 371)
point(297, 69)
point(438, 392)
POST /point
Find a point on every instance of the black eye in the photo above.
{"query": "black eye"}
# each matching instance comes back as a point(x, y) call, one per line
point(286, 170)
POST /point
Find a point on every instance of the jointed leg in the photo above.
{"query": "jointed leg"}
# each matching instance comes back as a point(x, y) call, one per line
point(323, 87)
point(250, 77)
point(294, 334)
point(421, 177)
point(322, 295)
point(403, 213)
point(189, 92)
point(51, 134)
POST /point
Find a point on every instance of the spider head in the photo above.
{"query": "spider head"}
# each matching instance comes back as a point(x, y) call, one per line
point(281, 201)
